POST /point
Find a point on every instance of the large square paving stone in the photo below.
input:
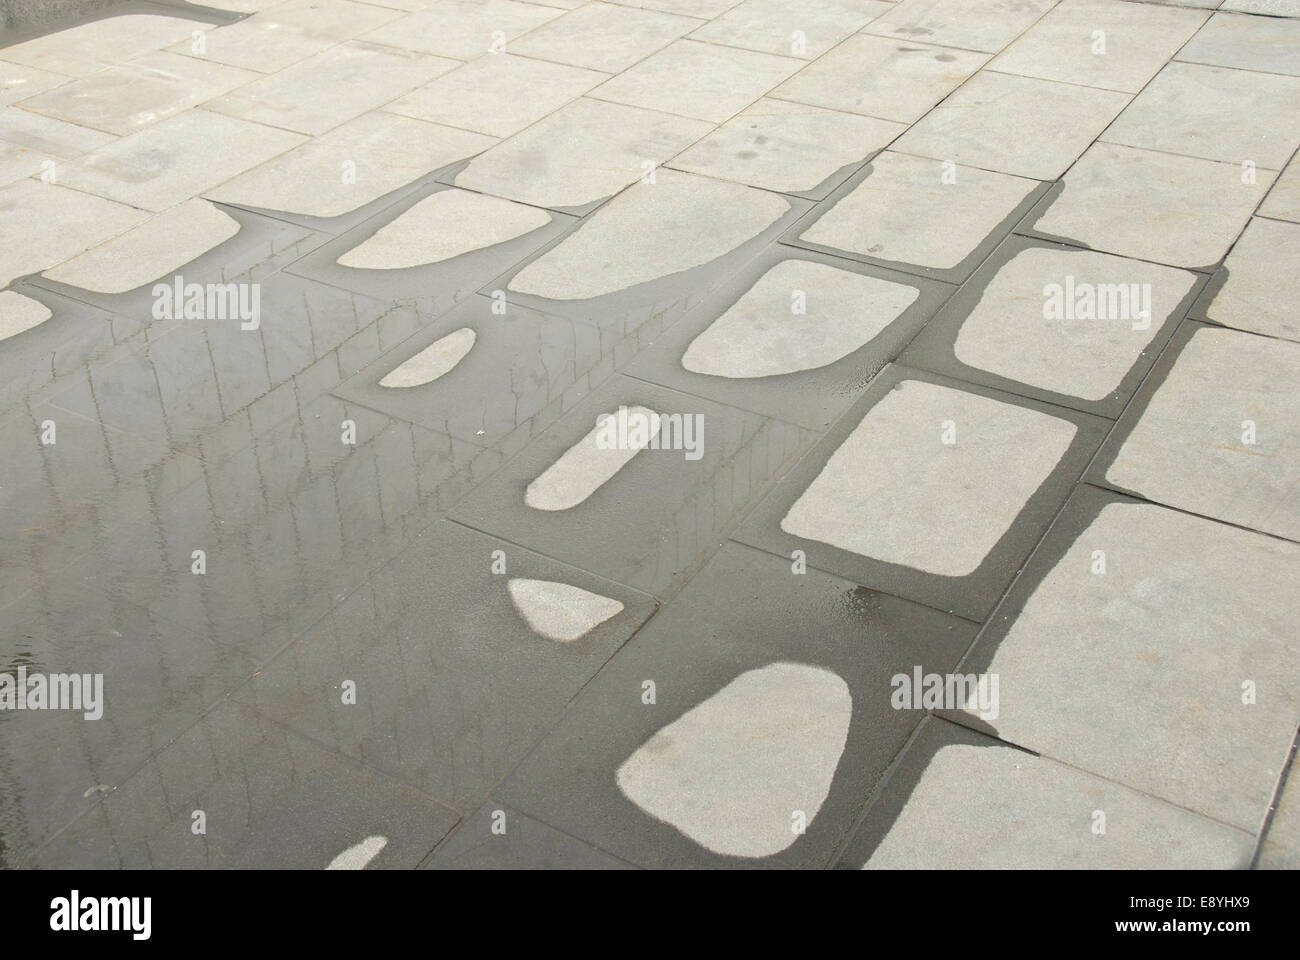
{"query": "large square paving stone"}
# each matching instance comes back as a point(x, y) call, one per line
point(986, 25)
point(929, 489)
point(959, 800)
point(639, 515)
point(1182, 211)
point(755, 704)
point(1265, 44)
point(1156, 649)
point(457, 670)
point(1215, 430)
point(1262, 284)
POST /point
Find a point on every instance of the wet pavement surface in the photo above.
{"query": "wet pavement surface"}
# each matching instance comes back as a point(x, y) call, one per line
point(947, 515)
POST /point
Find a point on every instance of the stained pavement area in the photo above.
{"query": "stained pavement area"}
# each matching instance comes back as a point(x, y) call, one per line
point(961, 336)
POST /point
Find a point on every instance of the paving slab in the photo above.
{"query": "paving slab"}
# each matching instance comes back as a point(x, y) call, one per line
point(498, 837)
point(176, 159)
point(1213, 431)
point(1280, 8)
point(704, 81)
point(959, 800)
point(17, 163)
point(452, 686)
point(788, 147)
point(1057, 323)
point(1181, 211)
point(18, 82)
point(704, 9)
point(694, 747)
point(885, 501)
point(332, 87)
point(126, 98)
point(669, 233)
point(984, 25)
point(1281, 841)
point(56, 223)
point(1283, 201)
point(351, 166)
point(921, 215)
point(1214, 113)
point(464, 29)
point(269, 798)
point(877, 77)
point(807, 30)
point(89, 47)
point(1020, 125)
point(1266, 44)
point(515, 368)
point(48, 135)
point(292, 31)
point(1101, 43)
point(672, 503)
point(744, 345)
point(603, 36)
point(1172, 672)
point(497, 95)
point(580, 155)
point(1262, 281)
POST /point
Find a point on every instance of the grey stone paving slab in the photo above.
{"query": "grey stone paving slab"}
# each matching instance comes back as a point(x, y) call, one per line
point(1266, 44)
point(961, 801)
point(90, 47)
point(1281, 8)
point(788, 147)
point(18, 82)
point(580, 155)
point(56, 223)
point(58, 138)
point(924, 216)
point(1215, 113)
point(1214, 431)
point(464, 29)
point(705, 9)
point(417, 227)
point(332, 87)
point(1280, 849)
point(603, 36)
point(889, 79)
point(1262, 282)
point(677, 237)
point(731, 795)
point(1172, 672)
point(290, 32)
point(884, 501)
point(156, 679)
point(497, 95)
point(1020, 125)
point(985, 25)
point(1059, 324)
point(670, 507)
point(128, 97)
point(518, 367)
point(499, 837)
point(1283, 201)
point(351, 166)
point(1101, 43)
point(857, 319)
point(1182, 211)
point(452, 685)
point(805, 30)
point(176, 159)
point(700, 80)
point(18, 162)
point(270, 799)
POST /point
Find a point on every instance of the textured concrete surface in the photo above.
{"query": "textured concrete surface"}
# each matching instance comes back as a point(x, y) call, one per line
point(947, 515)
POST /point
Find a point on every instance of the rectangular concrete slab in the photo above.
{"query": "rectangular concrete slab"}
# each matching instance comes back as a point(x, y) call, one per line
point(1068, 326)
point(1182, 211)
point(1213, 431)
point(704, 81)
point(985, 25)
point(603, 36)
point(882, 78)
point(463, 29)
point(1101, 43)
point(888, 543)
point(1260, 282)
point(453, 685)
point(89, 47)
point(671, 512)
point(806, 30)
point(1265, 44)
point(48, 135)
point(847, 332)
point(743, 614)
point(1155, 649)
point(1283, 201)
point(959, 800)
